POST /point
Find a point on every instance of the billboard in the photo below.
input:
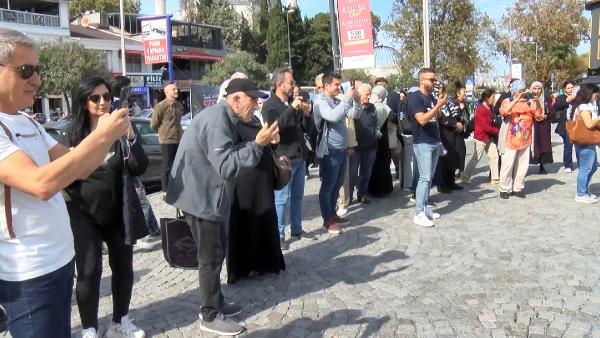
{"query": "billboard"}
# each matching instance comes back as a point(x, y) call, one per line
point(157, 39)
point(356, 34)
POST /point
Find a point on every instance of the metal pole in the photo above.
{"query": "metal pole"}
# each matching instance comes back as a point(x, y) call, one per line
point(510, 45)
point(426, 52)
point(287, 16)
point(335, 42)
point(123, 57)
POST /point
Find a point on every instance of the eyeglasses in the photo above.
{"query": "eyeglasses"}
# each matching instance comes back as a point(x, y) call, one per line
point(26, 71)
point(96, 98)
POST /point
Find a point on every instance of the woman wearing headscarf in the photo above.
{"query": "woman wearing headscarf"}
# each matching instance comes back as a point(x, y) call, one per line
point(380, 183)
point(516, 138)
point(451, 133)
point(541, 151)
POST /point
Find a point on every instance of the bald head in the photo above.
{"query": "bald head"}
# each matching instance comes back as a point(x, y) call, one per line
point(364, 92)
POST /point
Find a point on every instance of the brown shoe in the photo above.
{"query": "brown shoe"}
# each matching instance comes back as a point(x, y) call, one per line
point(365, 200)
point(334, 229)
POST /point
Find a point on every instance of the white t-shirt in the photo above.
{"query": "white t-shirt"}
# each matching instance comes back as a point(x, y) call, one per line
point(44, 241)
point(591, 107)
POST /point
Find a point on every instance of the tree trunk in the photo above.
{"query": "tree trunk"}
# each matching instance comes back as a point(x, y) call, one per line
point(66, 96)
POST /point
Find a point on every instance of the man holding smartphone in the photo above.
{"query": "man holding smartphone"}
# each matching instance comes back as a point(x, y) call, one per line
point(424, 112)
point(294, 119)
point(166, 118)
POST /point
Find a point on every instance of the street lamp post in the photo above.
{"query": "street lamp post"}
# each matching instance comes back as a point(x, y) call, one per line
point(289, 10)
point(122, 24)
point(426, 53)
point(510, 59)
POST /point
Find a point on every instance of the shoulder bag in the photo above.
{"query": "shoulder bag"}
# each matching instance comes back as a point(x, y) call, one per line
point(579, 133)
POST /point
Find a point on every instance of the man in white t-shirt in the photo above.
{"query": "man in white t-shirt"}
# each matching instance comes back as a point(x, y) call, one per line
point(36, 243)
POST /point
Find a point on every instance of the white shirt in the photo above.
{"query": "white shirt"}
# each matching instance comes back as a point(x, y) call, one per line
point(591, 107)
point(44, 241)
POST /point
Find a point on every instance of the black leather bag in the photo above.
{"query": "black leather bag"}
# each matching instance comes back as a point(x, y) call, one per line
point(178, 244)
point(134, 221)
point(282, 170)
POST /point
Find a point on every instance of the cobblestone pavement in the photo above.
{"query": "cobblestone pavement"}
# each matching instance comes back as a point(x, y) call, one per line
point(489, 268)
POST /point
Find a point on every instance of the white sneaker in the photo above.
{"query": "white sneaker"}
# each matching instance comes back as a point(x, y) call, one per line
point(124, 330)
point(342, 212)
point(593, 196)
point(568, 170)
point(585, 199)
point(430, 214)
point(89, 333)
point(422, 220)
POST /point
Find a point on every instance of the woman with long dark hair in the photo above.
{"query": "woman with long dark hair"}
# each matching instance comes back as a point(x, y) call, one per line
point(584, 107)
point(95, 206)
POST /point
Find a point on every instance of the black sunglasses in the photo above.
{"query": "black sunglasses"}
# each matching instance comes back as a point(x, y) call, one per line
point(96, 98)
point(26, 71)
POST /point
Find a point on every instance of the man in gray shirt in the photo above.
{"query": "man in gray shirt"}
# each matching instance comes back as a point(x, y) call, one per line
point(332, 145)
point(207, 160)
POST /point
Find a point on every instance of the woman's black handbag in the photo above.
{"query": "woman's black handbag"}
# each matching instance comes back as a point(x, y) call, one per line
point(134, 221)
point(282, 170)
point(178, 244)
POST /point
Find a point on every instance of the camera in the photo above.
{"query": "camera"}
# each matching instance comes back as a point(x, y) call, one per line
point(529, 96)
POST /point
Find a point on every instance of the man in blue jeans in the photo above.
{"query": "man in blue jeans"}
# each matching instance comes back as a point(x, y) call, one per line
point(294, 120)
point(332, 147)
point(36, 242)
point(423, 111)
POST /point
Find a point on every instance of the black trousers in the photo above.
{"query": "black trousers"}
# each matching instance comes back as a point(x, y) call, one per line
point(88, 258)
point(168, 152)
point(210, 239)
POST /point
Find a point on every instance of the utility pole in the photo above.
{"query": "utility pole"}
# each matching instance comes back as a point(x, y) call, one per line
point(122, 24)
point(426, 52)
point(335, 41)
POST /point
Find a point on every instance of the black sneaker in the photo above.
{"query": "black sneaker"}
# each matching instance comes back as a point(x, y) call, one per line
point(231, 309)
point(504, 195)
point(304, 235)
point(283, 244)
point(221, 326)
point(519, 194)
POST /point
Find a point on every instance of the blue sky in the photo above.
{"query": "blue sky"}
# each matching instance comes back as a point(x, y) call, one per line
point(383, 8)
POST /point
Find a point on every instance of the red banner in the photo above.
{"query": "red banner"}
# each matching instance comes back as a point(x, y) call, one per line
point(356, 34)
point(155, 34)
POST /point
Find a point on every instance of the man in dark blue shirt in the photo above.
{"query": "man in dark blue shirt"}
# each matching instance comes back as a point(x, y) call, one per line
point(423, 112)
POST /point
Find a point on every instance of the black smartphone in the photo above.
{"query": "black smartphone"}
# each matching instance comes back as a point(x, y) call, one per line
point(124, 97)
point(529, 96)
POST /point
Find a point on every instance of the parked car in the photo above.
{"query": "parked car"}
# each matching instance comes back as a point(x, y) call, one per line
point(146, 113)
point(186, 118)
point(146, 135)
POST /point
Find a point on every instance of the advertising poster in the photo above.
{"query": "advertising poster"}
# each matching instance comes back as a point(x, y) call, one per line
point(157, 40)
point(356, 34)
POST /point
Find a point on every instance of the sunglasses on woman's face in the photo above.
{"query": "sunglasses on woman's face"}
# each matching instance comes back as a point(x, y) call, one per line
point(26, 71)
point(96, 98)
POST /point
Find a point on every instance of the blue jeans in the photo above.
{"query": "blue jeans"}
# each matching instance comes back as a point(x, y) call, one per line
point(361, 166)
point(426, 156)
point(588, 163)
point(39, 307)
point(333, 168)
point(567, 152)
point(291, 195)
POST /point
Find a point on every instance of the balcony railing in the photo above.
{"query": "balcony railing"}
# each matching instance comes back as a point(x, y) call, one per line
point(28, 18)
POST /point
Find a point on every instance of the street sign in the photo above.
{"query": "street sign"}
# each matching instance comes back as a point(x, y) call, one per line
point(157, 40)
point(516, 71)
point(153, 81)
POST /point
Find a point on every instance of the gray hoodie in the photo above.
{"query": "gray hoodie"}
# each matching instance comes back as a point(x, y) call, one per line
point(208, 158)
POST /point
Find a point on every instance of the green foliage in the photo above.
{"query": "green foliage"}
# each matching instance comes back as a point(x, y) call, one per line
point(459, 37)
point(277, 51)
point(316, 48)
point(217, 13)
point(65, 64)
point(260, 32)
point(553, 28)
point(401, 81)
point(80, 6)
point(238, 62)
point(355, 74)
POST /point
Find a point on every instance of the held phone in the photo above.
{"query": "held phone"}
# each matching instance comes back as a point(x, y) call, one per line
point(529, 96)
point(346, 85)
point(124, 97)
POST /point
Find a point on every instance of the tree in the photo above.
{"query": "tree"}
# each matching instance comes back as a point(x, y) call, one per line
point(238, 62)
point(459, 37)
point(545, 36)
point(317, 48)
point(355, 74)
point(80, 6)
point(65, 64)
point(217, 13)
point(277, 55)
point(260, 30)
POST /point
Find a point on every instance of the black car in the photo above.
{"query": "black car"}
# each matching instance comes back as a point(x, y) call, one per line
point(146, 135)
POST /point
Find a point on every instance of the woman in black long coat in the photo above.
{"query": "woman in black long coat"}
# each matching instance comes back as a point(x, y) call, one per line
point(253, 240)
point(381, 182)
